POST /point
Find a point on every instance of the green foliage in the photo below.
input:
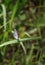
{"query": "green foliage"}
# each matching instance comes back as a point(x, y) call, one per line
point(28, 18)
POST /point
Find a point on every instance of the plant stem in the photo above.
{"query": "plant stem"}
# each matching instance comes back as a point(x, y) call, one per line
point(16, 41)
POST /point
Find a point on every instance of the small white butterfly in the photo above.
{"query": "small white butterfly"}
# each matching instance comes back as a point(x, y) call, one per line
point(15, 34)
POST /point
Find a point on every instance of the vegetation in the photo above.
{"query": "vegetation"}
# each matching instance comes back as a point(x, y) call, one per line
point(22, 32)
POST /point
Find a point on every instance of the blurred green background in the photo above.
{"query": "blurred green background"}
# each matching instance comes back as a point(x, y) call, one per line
point(22, 32)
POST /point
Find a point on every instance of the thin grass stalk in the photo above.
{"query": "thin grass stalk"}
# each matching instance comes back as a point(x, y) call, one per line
point(16, 41)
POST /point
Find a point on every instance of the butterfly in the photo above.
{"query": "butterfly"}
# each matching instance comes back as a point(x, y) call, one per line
point(15, 34)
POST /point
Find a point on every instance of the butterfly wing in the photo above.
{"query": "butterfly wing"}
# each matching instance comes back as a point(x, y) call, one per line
point(15, 34)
